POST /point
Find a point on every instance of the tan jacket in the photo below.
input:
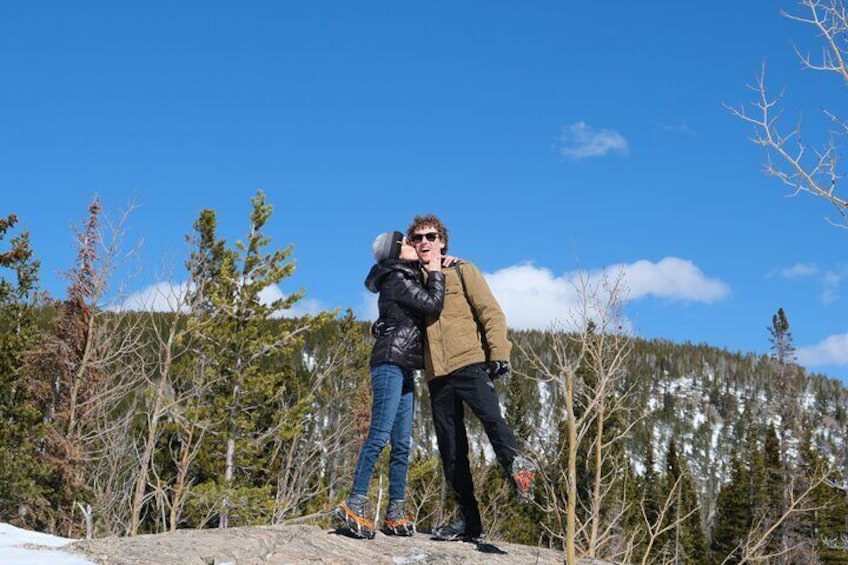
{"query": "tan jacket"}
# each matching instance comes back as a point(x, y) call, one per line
point(453, 338)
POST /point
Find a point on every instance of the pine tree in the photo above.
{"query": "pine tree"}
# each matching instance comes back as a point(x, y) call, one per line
point(732, 520)
point(764, 483)
point(651, 487)
point(21, 432)
point(783, 349)
point(783, 353)
point(650, 501)
point(686, 541)
point(772, 503)
point(827, 518)
point(251, 405)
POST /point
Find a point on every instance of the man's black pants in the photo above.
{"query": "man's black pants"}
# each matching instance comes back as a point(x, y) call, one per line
point(472, 386)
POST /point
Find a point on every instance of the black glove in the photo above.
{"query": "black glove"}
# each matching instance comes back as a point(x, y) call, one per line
point(497, 369)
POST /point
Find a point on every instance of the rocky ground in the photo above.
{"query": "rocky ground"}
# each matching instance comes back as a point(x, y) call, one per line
point(278, 545)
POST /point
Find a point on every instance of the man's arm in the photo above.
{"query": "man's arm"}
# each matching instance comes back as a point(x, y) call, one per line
point(489, 312)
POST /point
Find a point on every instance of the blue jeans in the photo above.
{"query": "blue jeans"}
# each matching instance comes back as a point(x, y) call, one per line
point(391, 419)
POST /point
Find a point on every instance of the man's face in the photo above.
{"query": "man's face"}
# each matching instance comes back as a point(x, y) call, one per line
point(426, 240)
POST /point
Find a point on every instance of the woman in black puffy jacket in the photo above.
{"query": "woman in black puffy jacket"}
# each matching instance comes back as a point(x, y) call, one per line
point(404, 299)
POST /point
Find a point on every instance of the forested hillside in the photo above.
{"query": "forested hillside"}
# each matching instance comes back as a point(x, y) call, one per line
point(708, 400)
point(223, 413)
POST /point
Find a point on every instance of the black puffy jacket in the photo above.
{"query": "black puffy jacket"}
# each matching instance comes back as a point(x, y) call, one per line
point(403, 302)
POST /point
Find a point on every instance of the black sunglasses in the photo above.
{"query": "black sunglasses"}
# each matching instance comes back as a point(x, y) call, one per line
point(419, 237)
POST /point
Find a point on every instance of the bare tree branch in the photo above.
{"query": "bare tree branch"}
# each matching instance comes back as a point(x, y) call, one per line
point(814, 169)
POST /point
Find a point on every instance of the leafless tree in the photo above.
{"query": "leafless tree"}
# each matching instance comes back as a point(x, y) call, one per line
point(426, 494)
point(814, 169)
point(754, 547)
point(308, 447)
point(654, 527)
point(597, 345)
point(116, 342)
point(80, 378)
point(168, 336)
point(313, 456)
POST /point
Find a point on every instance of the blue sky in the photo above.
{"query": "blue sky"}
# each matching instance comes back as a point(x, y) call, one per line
point(551, 137)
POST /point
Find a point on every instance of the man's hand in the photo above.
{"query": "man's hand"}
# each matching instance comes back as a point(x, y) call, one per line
point(449, 261)
point(497, 369)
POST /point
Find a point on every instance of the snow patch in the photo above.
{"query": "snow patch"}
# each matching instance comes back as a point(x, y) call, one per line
point(13, 540)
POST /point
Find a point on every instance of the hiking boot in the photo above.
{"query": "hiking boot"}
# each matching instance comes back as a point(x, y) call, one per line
point(396, 523)
point(455, 531)
point(523, 475)
point(351, 516)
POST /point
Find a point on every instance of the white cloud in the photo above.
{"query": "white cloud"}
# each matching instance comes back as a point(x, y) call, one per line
point(160, 297)
point(305, 306)
point(579, 141)
point(168, 297)
point(830, 279)
point(832, 350)
point(534, 298)
point(673, 278)
point(800, 270)
point(270, 293)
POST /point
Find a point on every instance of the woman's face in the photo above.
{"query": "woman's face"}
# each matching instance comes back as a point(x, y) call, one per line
point(407, 252)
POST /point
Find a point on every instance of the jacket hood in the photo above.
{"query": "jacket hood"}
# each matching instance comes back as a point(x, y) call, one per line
point(379, 271)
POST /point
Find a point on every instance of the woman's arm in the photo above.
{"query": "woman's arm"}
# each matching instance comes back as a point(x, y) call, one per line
point(427, 299)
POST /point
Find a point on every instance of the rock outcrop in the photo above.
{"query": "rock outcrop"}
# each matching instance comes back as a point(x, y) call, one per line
point(278, 545)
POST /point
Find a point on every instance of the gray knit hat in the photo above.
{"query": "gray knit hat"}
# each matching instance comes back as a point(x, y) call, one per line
point(387, 245)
